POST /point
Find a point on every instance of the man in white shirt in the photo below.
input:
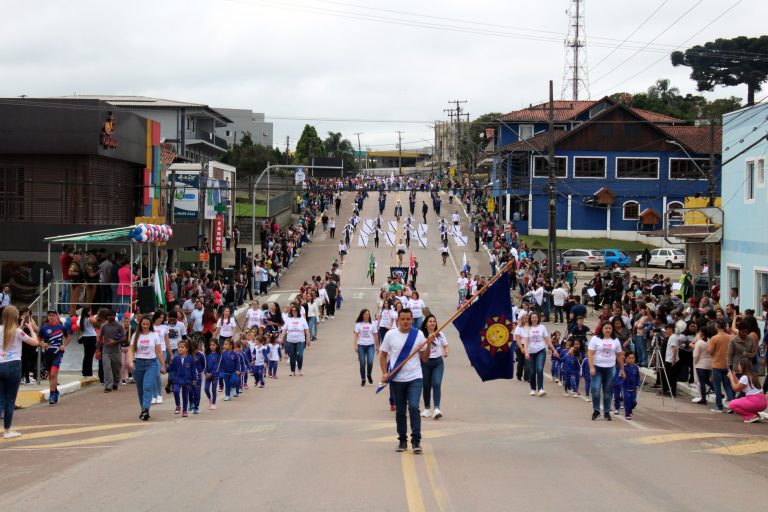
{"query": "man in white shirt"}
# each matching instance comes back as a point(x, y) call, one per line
point(407, 383)
point(188, 307)
point(671, 357)
point(559, 296)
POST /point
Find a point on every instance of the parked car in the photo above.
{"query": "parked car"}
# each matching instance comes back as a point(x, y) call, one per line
point(665, 257)
point(583, 259)
point(616, 256)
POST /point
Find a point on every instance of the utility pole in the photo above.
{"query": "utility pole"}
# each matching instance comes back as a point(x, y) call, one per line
point(359, 153)
point(202, 190)
point(552, 231)
point(287, 145)
point(399, 152)
point(458, 115)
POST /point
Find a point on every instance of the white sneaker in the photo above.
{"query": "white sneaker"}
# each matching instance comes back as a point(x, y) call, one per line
point(426, 413)
point(565, 393)
point(11, 434)
point(437, 414)
point(575, 395)
point(32, 382)
point(159, 399)
point(154, 400)
point(532, 393)
point(542, 392)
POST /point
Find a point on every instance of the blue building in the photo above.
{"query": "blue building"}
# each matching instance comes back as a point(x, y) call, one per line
point(745, 208)
point(619, 169)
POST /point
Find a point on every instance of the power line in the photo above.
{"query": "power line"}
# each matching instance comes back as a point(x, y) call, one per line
point(677, 20)
point(630, 35)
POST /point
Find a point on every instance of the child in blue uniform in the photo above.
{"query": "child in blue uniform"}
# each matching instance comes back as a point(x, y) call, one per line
point(260, 352)
point(184, 371)
point(555, 360)
point(572, 366)
point(630, 385)
point(238, 384)
point(617, 384)
point(230, 369)
point(211, 372)
point(199, 357)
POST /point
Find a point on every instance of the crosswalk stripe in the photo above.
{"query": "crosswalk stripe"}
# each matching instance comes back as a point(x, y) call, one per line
point(83, 442)
point(273, 297)
point(683, 436)
point(748, 447)
point(67, 431)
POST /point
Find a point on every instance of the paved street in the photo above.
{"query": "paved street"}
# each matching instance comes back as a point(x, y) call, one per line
point(321, 442)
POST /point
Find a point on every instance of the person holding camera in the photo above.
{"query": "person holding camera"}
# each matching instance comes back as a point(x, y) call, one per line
point(753, 402)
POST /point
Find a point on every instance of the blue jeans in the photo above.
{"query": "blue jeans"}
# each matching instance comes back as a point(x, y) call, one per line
point(407, 395)
point(10, 378)
point(720, 380)
point(312, 321)
point(65, 294)
point(144, 373)
point(365, 355)
point(159, 376)
point(602, 380)
point(536, 369)
point(124, 302)
point(642, 349)
point(295, 354)
point(433, 378)
point(417, 320)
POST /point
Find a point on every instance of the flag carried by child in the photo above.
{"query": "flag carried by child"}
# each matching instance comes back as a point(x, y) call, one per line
point(486, 330)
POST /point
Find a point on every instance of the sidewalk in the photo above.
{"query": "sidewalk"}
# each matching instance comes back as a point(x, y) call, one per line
point(69, 382)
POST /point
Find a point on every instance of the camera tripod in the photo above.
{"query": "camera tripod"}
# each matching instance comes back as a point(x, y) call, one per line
point(657, 360)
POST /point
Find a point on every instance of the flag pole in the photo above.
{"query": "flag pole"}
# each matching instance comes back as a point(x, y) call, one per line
point(460, 310)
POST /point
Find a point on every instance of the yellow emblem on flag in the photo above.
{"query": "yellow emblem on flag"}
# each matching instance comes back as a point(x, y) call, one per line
point(495, 335)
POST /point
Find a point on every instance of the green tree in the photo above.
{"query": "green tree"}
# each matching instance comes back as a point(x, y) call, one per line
point(308, 140)
point(336, 146)
point(727, 62)
point(662, 98)
point(249, 158)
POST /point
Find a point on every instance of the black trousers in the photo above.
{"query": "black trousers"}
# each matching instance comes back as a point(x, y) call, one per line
point(89, 349)
point(522, 368)
point(330, 308)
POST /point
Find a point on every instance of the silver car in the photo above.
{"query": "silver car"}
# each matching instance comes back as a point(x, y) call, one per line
point(583, 259)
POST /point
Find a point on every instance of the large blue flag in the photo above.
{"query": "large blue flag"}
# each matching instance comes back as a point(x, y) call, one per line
point(485, 329)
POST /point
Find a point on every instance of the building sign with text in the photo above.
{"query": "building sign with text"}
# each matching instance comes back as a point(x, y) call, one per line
point(218, 234)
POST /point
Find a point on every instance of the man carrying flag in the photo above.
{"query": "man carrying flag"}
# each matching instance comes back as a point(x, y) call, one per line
point(407, 380)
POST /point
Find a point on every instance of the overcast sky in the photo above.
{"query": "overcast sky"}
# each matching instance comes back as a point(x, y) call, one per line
point(351, 59)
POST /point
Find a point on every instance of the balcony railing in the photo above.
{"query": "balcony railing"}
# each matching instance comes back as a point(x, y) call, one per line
point(211, 139)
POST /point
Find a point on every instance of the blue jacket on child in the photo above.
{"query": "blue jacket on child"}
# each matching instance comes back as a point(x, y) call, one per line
point(212, 362)
point(183, 369)
point(631, 377)
point(230, 362)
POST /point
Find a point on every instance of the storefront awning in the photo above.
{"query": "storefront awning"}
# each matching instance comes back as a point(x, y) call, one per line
point(104, 235)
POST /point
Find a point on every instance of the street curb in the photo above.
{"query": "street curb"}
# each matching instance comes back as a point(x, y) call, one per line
point(26, 399)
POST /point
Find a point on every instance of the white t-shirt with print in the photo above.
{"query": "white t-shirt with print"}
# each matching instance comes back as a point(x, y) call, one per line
point(417, 307)
point(294, 328)
point(146, 343)
point(254, 317)
point(13, 353)
point(605, 351)
point(365, 332)
point(436, 346)
point(226, 329)
point(535, 338)
point(175, 333)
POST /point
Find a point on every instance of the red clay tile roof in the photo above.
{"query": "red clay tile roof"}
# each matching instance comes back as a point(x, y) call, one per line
point(167, 154)
point(654, 117)
point(696, 138)
point(539, 142)
point(564, 110)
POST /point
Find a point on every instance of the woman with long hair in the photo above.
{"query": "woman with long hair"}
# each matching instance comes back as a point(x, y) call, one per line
point(535, 343)
point(753, 402)
point(294, 337)
point(434, 368)
point(12, 336)
point(365, 344)
point(161, 329)
point(146, 360)
point(209, 322)
point(604, 354)
point(226, 326)
point(520, 333)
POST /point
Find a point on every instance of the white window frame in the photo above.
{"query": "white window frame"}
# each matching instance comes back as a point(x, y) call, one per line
point(605, 167)
point(533, 164)
point(728, 268)
point(760, 177)
point(681, 218)
point(616, 166)
point(758, 307)
point(624, 210)
point(520, 131)
point(669, 168)
point(749, 181)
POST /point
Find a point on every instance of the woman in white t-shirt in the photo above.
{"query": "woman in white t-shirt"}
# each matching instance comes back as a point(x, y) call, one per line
point(386, 317)
point(253, 316)
point(604, 354)
point(161, 329)
point(294, 337)
point(535, 343)
point(433, 369)
point(342, 251)
point(521, 331)
point(416, 305)
point(225, 326)
point(11, 338)
point(753, 402)
point(313, 312)
point(366, 344)
point(146, 359)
